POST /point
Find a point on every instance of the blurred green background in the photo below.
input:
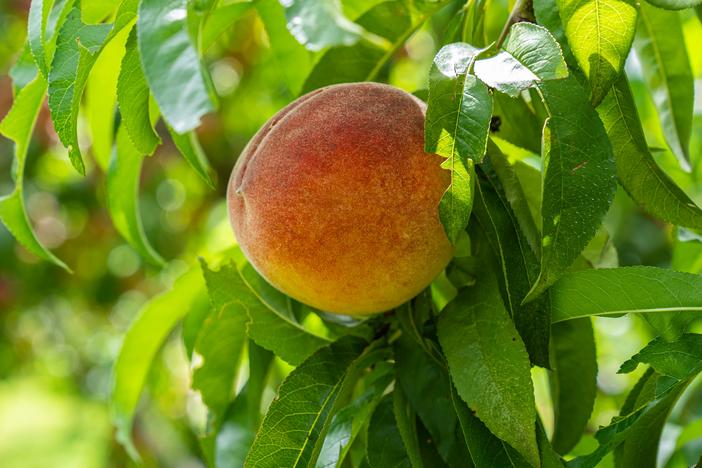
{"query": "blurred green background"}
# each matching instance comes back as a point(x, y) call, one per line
point(60, 332)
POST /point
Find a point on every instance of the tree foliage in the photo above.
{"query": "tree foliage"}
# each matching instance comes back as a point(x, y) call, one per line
point(538, 124)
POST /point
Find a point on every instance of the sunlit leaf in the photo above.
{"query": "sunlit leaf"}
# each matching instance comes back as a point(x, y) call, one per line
point(189, 147)
point(123, 178)
point(101, 98)
point(600, 33)
point(293, 61)
point(141, 343)
point(457, 124)
point(18, 125)
point(222, 337)
point(637, 171)
point(675, 4)
point(660, 47)
point(220, 20)
point(529, 55)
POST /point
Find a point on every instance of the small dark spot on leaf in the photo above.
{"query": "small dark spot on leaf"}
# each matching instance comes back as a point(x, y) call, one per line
point(495, 123)
point(579, 166)
point(514, 338)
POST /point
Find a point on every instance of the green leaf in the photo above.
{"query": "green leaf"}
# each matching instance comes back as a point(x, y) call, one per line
point(457, 124)
point(297, 420)
point(687, 251)
point(675, 4)
point(23, 71)
point(624, 290)
point(680, 359)
point(385, 446)
point(144, 338)
point(95, 11)
point(133, 98)
point(518, 124)
point(235, 436)
point(637, 171)
point(36, 33)
point(318, 25)
point(18, 125)
point(101, 97)
point(600, 33)
point(529, 55)
point(220, 20)
point(294, 62)
point(643, 414)
point(267, 325)
point(517, 264)
point(394, 21)
point(189, 147)
point(660, 47)
point(490, 366)
point(348, 421)
point(486, 450)
point(406, 420)
point(573, 382)
point(77, 49)
point(123, 178)
point(425, 382)
point(221, 339)
point(171, 63)
point(578, 178)
point(641, 444)
point(517, 195)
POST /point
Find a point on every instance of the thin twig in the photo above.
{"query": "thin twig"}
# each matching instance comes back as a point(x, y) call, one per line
point(523, 10)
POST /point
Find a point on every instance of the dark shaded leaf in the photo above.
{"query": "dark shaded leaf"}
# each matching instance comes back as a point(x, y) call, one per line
point(517, 265)
point(385, 446)
point(573, 382)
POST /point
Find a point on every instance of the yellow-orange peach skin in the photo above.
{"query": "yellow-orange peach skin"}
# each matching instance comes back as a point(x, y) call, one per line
point(335, 202)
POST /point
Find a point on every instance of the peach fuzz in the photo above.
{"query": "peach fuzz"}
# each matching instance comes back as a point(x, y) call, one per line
point(335, 202)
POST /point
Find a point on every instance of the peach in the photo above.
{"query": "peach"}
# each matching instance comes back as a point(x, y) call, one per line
point(335, 202)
